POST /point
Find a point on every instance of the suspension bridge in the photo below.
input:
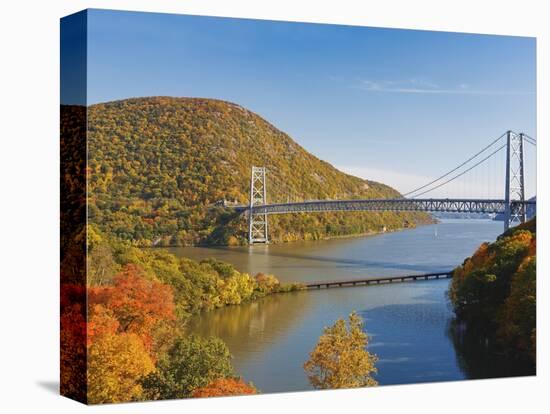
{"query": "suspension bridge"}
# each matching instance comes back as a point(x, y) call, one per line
point(510, 203)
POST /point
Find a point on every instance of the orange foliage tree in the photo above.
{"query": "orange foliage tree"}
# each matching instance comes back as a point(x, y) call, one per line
point(223, 387)
point(122, 318)
point(481, 285)
point(138, 304)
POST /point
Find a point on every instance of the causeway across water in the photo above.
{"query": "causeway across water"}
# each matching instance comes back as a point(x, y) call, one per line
point(378, 280)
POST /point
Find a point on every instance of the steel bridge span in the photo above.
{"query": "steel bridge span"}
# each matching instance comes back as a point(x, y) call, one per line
point(430, 205)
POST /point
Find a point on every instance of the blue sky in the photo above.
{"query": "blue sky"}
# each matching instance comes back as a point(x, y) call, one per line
point(398, 106)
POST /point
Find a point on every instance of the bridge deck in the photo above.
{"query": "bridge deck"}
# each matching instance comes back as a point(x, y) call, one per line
point(400, 204)
point(378, 280)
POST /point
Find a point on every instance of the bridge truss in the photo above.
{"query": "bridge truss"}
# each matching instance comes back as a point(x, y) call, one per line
point(430, 205)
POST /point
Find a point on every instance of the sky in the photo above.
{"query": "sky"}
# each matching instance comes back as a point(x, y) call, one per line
point(396, 106)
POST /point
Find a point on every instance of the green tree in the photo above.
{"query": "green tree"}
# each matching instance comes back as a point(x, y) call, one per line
point(340, 359)
point(192, 362)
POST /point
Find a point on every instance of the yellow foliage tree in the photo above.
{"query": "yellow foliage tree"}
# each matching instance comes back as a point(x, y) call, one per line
point(116, 362)
point(340, 359)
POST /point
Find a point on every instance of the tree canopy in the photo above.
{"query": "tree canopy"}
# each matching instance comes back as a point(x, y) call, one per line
point(340, 358)
point(191, 362)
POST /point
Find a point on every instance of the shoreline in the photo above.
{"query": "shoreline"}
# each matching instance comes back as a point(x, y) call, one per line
point(344, 236)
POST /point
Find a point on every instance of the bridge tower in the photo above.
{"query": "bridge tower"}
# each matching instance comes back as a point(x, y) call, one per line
point(515, 181)
point(257, 223)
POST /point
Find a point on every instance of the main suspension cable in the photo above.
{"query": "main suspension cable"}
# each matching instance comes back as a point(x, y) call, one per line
point(462, 173)
point(456, 168)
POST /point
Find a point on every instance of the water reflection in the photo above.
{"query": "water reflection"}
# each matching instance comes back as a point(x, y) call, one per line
point(479, 357)
point(271, 339)
point(411, 342)
point(250, 328)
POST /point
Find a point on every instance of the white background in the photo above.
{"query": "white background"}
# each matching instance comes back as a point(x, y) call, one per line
point(29, 203)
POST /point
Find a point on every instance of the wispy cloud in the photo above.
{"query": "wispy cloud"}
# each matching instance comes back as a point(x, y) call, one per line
point(418, 86)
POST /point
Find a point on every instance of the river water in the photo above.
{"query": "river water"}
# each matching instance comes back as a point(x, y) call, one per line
point(408, 323)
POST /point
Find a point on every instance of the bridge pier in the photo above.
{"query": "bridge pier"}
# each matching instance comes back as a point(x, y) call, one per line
point(257, 222)
point(515, 181)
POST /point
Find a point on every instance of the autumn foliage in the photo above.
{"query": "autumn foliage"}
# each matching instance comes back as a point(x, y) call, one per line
point(116, 362)
point(116, 339)
point(495, 289)
point(123, 308)
point(122, 332)
point(191, 362)
point(224, 387)
point(137, 304)
point(73, 341)
point(128, 345)
point(340, 359)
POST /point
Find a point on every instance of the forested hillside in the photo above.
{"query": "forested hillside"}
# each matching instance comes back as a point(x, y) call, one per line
point(158, 165)
point(494, 291)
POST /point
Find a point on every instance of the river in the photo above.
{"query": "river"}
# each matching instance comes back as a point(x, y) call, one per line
point(408, 323)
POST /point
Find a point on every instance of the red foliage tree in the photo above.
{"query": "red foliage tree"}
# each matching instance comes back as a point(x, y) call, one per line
point(73, 340)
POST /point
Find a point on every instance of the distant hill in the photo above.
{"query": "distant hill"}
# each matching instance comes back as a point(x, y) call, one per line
point(158, 165)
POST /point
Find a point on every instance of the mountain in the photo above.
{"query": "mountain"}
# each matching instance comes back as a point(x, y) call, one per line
point(157, 167)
